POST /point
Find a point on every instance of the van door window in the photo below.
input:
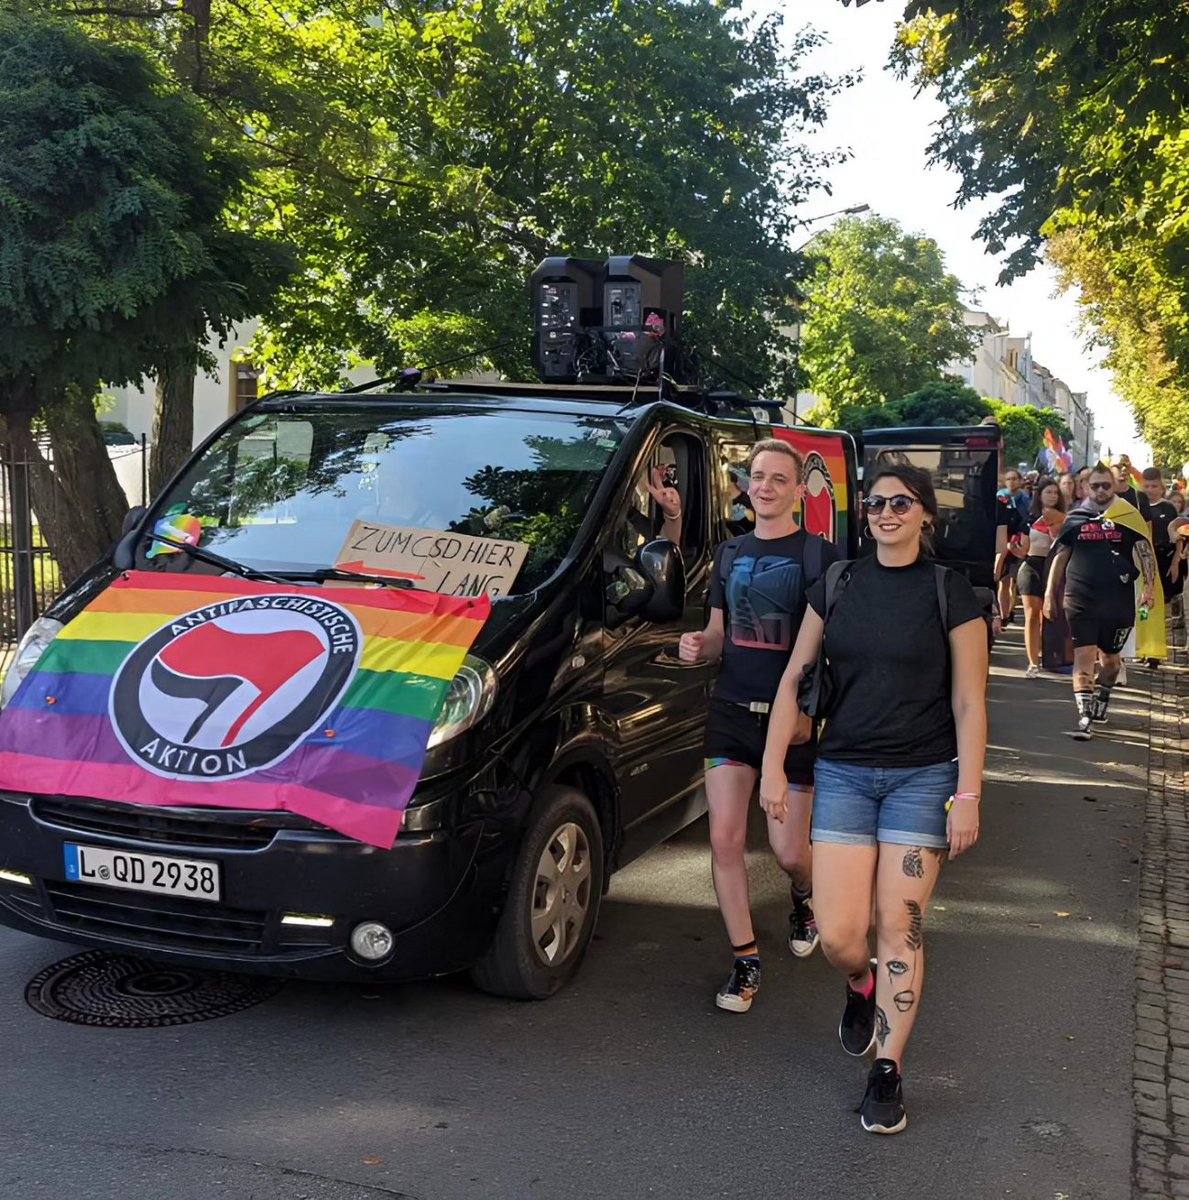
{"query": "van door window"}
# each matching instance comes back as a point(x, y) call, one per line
point(668, 500)
point(735, 480)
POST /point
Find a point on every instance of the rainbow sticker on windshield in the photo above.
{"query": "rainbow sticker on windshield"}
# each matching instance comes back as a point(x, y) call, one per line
point(179, 526)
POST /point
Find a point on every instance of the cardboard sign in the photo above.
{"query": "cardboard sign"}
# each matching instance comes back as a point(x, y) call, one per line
point(454, 564)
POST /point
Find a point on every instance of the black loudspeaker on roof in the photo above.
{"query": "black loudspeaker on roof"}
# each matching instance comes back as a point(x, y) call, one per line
point(613, 321)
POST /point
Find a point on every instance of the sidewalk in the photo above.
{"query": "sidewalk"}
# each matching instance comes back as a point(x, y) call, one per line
point(1161, 1071)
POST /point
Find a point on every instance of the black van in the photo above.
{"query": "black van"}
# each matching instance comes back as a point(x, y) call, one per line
point(964, 463)
point(570, 742)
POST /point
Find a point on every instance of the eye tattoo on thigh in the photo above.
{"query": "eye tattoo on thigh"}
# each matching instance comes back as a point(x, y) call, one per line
point(882, 1028)
point(914, 866)
point(914, 938)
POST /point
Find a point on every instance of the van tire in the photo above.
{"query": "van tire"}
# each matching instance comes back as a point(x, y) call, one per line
point(562, 835)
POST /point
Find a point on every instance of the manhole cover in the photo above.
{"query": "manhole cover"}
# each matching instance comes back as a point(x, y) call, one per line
point(120, 991)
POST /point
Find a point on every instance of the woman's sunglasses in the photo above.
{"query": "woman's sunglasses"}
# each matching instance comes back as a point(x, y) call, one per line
point(898, 504)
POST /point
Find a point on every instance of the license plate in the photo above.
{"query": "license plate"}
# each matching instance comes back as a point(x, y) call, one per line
point(157, 873)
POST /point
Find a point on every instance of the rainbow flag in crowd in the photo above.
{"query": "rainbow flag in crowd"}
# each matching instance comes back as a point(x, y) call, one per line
point(210, 691)
point(1137, 480)
point(1054, 456)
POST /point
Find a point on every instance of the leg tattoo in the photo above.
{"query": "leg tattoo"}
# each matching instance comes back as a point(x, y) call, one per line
point(914, 867)
point(882, 1028)
point(914, 937)
point(904, 1001)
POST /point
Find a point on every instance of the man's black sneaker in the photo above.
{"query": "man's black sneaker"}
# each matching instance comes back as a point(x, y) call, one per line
point(882, 1110)
point(1098, 710)
point(741, 986)
point(803, 935)
point(856, 1030)
point(1082, 732)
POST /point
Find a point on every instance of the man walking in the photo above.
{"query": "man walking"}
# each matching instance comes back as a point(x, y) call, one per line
point(757, 600)
point(1098, 560)
point(1019, 505)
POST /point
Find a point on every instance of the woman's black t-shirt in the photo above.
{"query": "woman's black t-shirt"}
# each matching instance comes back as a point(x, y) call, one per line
point(890, 663)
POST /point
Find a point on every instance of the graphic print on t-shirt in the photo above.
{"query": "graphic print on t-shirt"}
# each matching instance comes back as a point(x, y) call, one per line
point(763, 594)
point(1101, 568)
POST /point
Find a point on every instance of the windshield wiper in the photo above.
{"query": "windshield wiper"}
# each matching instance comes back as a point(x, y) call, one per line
point(216, 560)
point(322, 574)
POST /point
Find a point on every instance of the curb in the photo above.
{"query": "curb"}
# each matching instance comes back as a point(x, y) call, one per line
point(1160, 1075)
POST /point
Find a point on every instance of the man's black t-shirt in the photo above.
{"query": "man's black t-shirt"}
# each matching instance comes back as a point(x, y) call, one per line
point(1007, 514)
point(1162, 513)
point(890, 663)
point(1137, 499)
point(1101, 572)
point(763, 603)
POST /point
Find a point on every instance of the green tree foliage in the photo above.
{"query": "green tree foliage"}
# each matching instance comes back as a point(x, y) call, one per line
point(423, 157)
point(882, 317)
point(936, 404)
point(110, 226)
point(1024, 430)
point(1073, 117)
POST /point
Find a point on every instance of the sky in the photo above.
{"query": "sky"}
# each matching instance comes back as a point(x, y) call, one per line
point(887, 129)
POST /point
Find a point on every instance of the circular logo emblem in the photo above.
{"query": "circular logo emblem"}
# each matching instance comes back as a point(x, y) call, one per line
point(231, 688)
point(820, 512)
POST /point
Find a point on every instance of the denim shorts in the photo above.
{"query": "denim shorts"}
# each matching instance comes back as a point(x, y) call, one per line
point(860, 806)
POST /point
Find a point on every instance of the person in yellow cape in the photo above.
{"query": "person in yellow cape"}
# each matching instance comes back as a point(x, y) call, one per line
point(1101, 550)
point(1150, 638)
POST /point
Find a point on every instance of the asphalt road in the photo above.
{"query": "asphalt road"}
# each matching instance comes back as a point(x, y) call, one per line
point(631, 1084)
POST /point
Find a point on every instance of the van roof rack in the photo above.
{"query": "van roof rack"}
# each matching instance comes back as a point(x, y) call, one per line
point(711, 401)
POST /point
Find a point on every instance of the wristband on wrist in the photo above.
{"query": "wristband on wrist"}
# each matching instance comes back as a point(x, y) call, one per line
point(961, 796)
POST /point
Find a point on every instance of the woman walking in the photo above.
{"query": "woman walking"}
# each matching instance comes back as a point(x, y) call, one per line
point(1044, 523)
point(900, 766)
point(1069, 490)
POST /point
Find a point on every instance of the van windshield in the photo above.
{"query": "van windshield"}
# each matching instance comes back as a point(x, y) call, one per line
point(280, 491)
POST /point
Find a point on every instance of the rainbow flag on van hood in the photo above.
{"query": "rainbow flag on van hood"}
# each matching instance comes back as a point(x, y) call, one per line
point(210, 691)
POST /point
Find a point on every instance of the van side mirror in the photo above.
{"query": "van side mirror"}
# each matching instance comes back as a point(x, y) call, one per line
point(123, 557)
point(664, 568)
point(651, 586)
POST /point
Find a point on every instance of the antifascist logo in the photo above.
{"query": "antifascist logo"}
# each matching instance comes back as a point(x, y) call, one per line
point(233, 687)
point(820, 504)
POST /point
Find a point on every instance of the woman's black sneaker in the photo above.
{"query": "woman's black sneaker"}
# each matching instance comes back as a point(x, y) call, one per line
point(856, 1030)
point(882, 1110)
point(741, 986)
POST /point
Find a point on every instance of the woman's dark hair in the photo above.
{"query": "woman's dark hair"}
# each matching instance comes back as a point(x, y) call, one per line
point(920, 483)
point(1037, 509)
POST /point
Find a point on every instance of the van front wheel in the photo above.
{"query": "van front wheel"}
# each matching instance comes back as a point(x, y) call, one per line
point(552, 902)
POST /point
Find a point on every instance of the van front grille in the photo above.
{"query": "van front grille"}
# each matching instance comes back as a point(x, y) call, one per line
point(167, 921)
point(133, 822)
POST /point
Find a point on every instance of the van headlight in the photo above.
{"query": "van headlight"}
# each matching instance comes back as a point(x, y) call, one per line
point(33, 645)
point(469, 700)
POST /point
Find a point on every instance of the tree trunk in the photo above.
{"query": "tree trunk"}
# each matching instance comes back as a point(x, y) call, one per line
point(173, 418)
point(195, 42)
point(77, 523)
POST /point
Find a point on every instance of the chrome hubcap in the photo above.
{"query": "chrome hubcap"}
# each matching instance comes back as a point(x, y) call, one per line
point(561, 896)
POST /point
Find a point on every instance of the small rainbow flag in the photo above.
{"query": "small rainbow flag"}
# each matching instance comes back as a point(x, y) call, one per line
point(171, 689)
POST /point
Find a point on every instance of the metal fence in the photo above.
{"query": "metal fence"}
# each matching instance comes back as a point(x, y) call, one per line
point(29, 577)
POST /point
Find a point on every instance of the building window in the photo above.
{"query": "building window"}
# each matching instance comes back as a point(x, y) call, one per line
point(245, 385)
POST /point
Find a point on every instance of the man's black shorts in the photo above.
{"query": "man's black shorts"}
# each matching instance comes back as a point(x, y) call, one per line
point(1108, 631)
point(735, 734)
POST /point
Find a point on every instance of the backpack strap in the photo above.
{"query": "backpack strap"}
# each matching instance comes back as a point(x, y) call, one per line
point(834, 574)
point(813, 558)
point(943, 604)
point(730, 552)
